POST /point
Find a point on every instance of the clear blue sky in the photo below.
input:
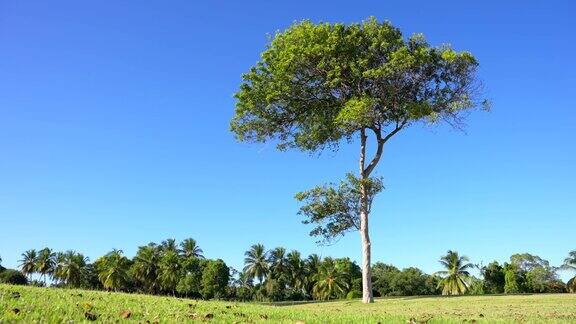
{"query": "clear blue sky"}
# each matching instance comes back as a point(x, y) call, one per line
point(114, 133)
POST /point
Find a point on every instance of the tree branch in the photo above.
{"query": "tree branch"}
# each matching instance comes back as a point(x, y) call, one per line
point(381, 141)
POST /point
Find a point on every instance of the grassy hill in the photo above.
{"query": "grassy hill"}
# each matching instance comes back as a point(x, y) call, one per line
point(62, 305)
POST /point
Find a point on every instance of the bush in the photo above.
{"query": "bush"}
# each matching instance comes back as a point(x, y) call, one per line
point(354, 294)
point(13, 277)
point(215, 277)
point(571, 285)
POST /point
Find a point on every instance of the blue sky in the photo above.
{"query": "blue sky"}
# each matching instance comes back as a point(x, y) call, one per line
point(114, 132)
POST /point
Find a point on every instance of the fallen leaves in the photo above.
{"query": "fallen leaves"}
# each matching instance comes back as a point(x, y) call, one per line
point(126, 314)
point(90, 316)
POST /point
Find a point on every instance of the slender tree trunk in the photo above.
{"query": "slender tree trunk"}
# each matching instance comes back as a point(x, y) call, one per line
point(364, 234)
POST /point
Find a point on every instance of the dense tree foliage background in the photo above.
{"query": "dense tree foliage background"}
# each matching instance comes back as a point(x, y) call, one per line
point(276, 275)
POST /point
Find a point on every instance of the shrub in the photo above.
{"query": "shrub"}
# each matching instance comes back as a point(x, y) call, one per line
point(13, 277)
point(354, 294)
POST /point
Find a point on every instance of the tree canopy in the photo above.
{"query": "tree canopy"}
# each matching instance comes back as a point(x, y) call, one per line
point(319, 83)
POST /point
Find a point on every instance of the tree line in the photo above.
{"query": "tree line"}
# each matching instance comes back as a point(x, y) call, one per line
point(182, 270)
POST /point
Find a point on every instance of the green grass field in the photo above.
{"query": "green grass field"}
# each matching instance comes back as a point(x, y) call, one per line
point(51, 305)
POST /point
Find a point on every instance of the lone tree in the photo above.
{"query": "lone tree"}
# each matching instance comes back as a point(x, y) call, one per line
point(318, 85)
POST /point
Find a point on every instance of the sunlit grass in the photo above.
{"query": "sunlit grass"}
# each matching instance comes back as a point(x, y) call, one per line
point(29, 304)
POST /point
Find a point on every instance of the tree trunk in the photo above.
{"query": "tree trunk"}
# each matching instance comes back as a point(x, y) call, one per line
point(365, 236)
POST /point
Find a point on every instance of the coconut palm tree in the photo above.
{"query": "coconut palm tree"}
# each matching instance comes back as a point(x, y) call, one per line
point(169, 271)
point(190, 249)
point(255, 262)
point(145, 267)
point(311, 267)
point(570, 264)
point(45, 263)
point(296, 270)
point(169, 245)
point(278, 263)
point(113, 270)
point(455, 278)
point(71, 268)
point(28, 263)
point(330, 281)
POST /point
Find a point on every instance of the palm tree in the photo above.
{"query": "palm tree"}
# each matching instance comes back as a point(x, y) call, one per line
point(169, 245)
point(255, 264)
point(57, 273)
point(145, 267)
point(331, 281)
point(45, 263)
point(296, 270)
point(455, 277)
point(570, 264)
point(113, 270)
point(28, 263)
point(169, 271)
point(311, 268)
point(71, 268)
point(278, 263)
point(190, 249)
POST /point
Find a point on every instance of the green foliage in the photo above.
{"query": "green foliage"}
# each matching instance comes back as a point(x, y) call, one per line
point(28, 262)
point(354, 294)
point(533, 274)
point(493, 278)
point(190, 283)
point(13, 277)
point(190, 249)
point(319, 83)
point(45, 262)
point(70, 269)
point(476, 286)
point(571, 285)
point(331, 281)
point(390, 281)
point(215, 277)
point(511, 285)
point(335, 210)
point(113, 271)
point(169, 271)
point(455, 277)
point(255, 262)
point(145, 268)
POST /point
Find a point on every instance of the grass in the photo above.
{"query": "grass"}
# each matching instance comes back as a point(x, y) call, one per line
point(52, 305)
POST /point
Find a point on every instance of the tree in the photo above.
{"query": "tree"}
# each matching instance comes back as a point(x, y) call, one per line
point(71, 268)
point(28, 262)
point(169, 271)
point(296, 271)
point(536, 273)
point(312, 268)
point(45, 263)
point(145, 267)
point(215, 278)
point(13, 277)
point(189, 248)
point(255, 262)
point(319, 84)
point(570, 264)
point(335, 210)
point(278, 265)
point(494, 279)
point(383, 276)
point(331, 281)
point(511, 285)
point(190, 282)
point(169, 245)
point(113, 270)
point(454, 281)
